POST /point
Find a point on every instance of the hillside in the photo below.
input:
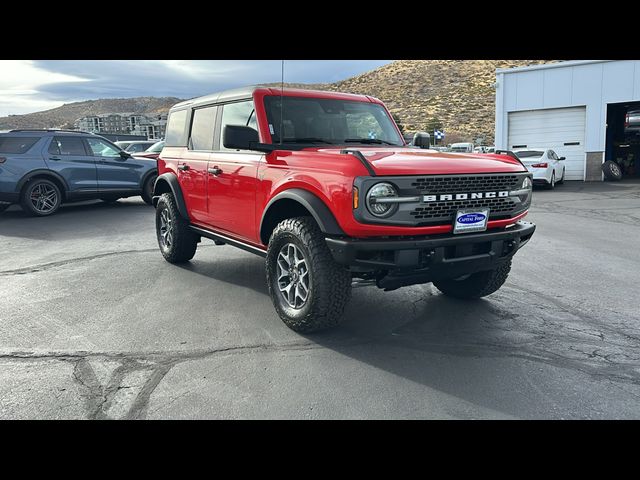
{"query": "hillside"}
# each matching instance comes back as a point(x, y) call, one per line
point(64, 116)
point(456, 95)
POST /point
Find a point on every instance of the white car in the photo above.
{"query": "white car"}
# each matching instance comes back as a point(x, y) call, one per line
point(547, 168)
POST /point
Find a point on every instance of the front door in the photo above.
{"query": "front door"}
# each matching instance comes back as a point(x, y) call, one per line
point(232, 177)
point(68, 156)
point(115, 173)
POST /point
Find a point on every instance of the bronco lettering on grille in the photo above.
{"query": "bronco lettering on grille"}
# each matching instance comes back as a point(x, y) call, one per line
point(463, 196)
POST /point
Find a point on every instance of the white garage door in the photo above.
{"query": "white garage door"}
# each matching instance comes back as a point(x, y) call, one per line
point(560, 129)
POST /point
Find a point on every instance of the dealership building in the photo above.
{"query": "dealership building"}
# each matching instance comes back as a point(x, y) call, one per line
point(587, 111)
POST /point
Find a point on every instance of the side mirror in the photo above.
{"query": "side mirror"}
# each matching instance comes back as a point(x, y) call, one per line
point(240, 137)
point(125, 155)
point(562, 158)
point(422, 140)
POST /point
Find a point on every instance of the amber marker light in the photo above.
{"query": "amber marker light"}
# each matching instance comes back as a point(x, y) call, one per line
point(356, 198)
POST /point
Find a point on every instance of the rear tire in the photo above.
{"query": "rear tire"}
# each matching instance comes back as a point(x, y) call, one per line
point(318, 287)
point(476, 285)
point(176, 241)
point(552, 184)
point(611, 170)
point(40, 198)
point(147, 188)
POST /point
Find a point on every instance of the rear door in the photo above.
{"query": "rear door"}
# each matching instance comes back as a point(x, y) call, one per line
point(68, 156)
point(192, 169)
point(232, 179)
point(114, 172)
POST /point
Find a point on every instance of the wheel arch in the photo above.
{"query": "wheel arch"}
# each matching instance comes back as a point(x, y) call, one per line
point(145, 177)
point(46, 174)
point(293, 203)
point(168, 183)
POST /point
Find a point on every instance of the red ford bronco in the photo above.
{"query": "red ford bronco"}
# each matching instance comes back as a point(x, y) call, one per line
point(324, 187)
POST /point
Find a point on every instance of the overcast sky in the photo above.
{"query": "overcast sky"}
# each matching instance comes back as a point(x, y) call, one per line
point(34, 85)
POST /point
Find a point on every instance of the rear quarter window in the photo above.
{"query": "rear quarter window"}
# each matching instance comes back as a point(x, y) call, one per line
point(176, 133)
point(17, 144)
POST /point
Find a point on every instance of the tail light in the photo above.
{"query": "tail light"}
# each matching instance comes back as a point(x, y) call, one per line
point(540, 165)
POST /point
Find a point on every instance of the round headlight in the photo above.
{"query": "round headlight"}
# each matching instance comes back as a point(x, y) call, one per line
point(375, 199)
point(526, 183)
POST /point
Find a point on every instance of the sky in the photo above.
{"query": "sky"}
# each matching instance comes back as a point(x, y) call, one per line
point(33, 85)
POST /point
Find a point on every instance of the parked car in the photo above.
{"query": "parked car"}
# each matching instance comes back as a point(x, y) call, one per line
point(632, 121)
point(323, 186)
point(41, 169)
point(547, 167)
point(462, 147)
point(153, 151)
point(135, 146)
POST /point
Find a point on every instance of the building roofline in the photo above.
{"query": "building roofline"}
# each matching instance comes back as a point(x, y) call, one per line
point(544, 66)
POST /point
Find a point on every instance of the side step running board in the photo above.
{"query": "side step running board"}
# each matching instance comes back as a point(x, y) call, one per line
point(218, 237)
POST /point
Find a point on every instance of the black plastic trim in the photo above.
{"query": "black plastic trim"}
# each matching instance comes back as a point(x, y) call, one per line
point(345, 250)
point(42, 171)
point(228, 240)
point(320, 212)
point(174, 185)
point(358, 154)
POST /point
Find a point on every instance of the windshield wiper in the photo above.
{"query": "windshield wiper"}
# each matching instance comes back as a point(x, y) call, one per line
point(306, 140)
point(369, 140)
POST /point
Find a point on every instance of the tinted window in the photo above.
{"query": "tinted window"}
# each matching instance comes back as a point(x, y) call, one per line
point(16, 144)
point(202, 128)
point(156, 147)
point(101, 148)
point(241, 113)
point(176, 135)
point(553, 155)
point(67, 146)
point(529, 154)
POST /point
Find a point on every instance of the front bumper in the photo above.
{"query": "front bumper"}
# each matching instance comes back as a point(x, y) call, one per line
point(424, 259)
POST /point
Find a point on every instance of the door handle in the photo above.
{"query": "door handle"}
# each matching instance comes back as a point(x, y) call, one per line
point(214, 171)
point(56, 159)
point(184, 167)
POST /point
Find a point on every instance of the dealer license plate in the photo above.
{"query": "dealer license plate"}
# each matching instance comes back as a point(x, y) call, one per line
point(471, 221)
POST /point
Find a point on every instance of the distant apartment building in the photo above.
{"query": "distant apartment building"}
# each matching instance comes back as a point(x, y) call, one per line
point(151, 126)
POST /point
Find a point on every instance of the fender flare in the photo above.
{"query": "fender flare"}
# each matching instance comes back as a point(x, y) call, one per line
point(42, 171)
point(174, 185)
point(318, 209)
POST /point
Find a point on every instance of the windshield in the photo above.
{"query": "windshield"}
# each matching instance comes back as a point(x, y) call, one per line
point(330, 121)
point(156, 147)
point(529, 154)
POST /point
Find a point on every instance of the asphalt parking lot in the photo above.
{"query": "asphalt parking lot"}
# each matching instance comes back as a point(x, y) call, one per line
point(95, 324)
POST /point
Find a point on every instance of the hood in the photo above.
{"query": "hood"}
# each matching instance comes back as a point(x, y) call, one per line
point(410, 161)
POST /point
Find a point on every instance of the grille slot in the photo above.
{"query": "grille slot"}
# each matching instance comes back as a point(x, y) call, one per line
point(447, 209)
point(461, 184)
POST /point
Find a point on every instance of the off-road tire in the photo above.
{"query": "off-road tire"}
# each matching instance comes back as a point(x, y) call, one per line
point(330, 283)
point(612, 170)
point(25, 197)
point(147, 189)
point(183, 241)
point(477, 285)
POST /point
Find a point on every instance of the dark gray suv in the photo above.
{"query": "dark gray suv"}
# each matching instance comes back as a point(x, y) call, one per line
point(41, 169)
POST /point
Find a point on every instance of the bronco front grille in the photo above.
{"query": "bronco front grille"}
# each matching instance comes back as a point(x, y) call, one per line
point(461, 184)
point(447, 209)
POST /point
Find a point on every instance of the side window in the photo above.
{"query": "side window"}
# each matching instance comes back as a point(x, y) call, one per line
point(202, 125)
point(136, 147)
point(553, 155)
point(67, 146)
point(241, 113)
point(176, 133)
point(100, 148)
